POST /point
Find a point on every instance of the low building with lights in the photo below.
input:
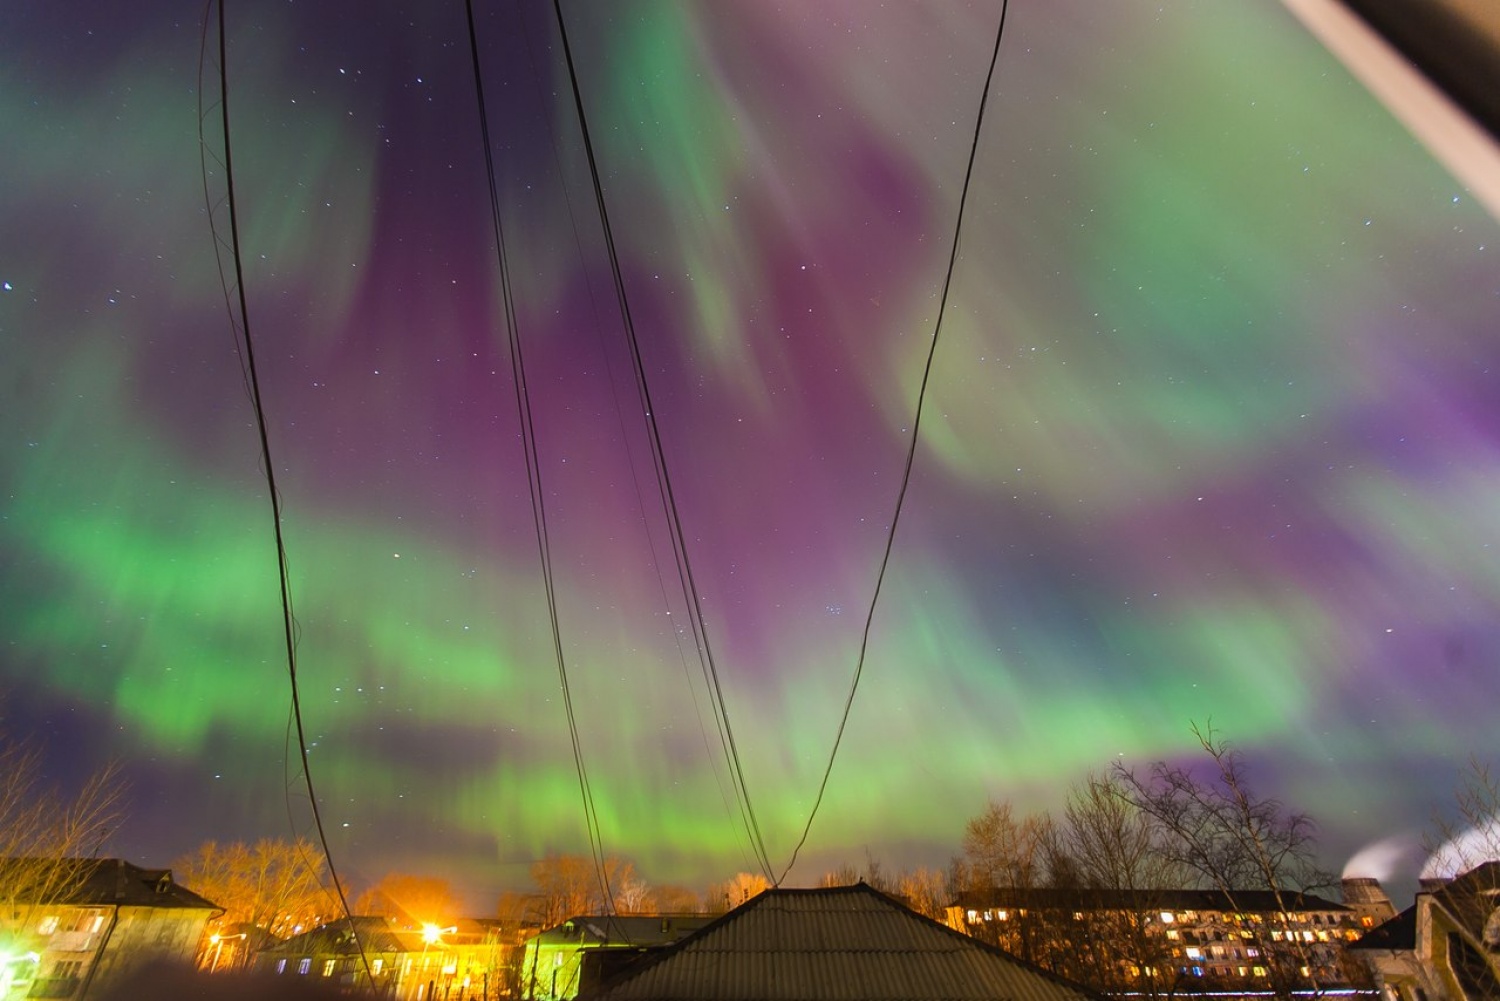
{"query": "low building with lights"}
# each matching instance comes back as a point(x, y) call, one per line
point(471, 957)
point(1157, 942)
point(563, 961)
point(73, 928)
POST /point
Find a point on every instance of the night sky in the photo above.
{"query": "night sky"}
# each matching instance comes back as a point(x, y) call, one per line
point(1213, 429)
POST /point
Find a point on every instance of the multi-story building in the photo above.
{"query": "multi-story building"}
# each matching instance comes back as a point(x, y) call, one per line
point(1163, 941)
point(73, 928)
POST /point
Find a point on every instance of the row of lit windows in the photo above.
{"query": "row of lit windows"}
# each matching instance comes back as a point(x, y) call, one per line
point(1219, 952)
point(1188, 917)
point(304, 966)
point(88, 921)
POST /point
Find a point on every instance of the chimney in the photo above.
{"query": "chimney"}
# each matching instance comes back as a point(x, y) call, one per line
point(1368, 900)
point(1364, 890)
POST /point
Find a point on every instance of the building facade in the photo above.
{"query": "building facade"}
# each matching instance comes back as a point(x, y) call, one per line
point(470, 959)
point(1163, 942)
point(560, 962)
point(84, 925)
point(1446, 946)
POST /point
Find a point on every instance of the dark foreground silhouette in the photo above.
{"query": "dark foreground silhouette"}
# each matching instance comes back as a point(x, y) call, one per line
point(174, 983)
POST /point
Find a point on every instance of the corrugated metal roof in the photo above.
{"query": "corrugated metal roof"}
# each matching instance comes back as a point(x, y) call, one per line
point(847, 943)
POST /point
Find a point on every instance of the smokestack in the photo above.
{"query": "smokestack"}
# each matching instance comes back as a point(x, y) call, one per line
point(1368, 900)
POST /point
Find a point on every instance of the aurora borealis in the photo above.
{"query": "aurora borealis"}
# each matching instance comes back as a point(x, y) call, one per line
point(1213, 428)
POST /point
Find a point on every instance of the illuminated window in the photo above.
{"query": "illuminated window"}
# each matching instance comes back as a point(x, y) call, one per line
point(1243, 970)
point(281, 966)
point(1194, 953)
point(1306, 971)
point(1367, 921)
point(304, 966)
point(1077, 915)
point(1003, 915)
point(1167, 917)
point(1173, 934)
point(1260, 971)
point(376, 965)
point(327, 967)
point(47, 925)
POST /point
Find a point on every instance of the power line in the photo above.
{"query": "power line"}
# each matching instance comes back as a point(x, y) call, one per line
point(695, 610)
point(911, 450)
point(241, 307)
point(635, 480)
point(533, 469)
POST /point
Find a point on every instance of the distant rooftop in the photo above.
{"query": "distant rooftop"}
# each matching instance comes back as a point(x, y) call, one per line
point(846, 943)
point(98, 882)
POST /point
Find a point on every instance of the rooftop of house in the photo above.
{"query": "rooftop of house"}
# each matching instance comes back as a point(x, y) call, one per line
point(625, 930)
point(376, 933)
point(1472, 900)
point(85, 882)
point(844, 943)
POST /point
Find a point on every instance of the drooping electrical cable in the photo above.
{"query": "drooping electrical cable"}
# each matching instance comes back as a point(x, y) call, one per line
point(725, 794)
point(695, 610)
point(533, 470)
point(911, 450)
point(240, 318)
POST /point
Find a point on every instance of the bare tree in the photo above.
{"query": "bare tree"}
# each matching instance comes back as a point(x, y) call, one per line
point(676, 900)
point(413, 901)
point(845, 875)
point(633, 895)
point(1470, 835)
point(729, 895)
point(1010, 856)
point(925, 891)
point(269, 890)
point(1118, 866)
point(1234, 841)
point(1001, 851)
point(873, 875)
point(45, 832)
point(570, 885)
